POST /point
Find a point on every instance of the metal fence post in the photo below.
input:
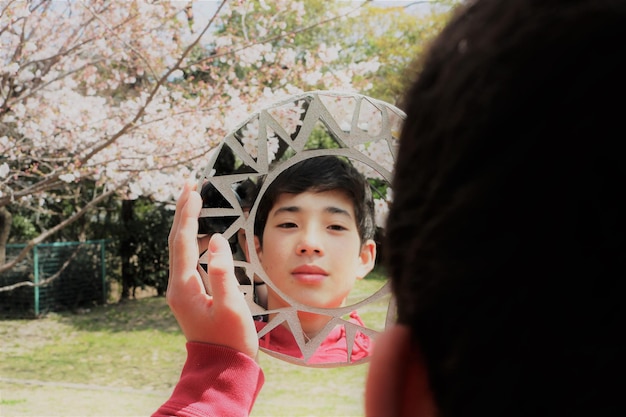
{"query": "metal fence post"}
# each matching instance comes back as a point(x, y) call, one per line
point(36, 271)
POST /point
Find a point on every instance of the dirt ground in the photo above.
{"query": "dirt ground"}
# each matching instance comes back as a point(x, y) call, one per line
point(42, 400)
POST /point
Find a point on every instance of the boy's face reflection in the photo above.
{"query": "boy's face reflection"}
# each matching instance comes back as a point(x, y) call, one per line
point(312, 250)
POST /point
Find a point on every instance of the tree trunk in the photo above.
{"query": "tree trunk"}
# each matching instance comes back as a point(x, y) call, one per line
point(5, 229)
point(127, 245)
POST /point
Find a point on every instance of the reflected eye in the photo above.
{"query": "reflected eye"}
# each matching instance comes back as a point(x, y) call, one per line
point(286, 225)
point(337, 227)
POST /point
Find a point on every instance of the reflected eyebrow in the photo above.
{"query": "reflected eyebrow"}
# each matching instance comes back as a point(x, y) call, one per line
point(297, 209)
point(337, 210)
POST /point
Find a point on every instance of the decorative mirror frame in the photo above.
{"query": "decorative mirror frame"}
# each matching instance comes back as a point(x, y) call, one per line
point(353, 132)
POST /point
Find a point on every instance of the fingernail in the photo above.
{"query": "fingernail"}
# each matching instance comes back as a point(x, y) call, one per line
point(212, 245)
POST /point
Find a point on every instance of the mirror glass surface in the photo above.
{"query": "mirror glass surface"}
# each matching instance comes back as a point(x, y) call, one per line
point(273, 146)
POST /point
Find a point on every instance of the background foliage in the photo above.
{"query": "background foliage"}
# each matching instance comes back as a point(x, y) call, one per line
point(105, 108)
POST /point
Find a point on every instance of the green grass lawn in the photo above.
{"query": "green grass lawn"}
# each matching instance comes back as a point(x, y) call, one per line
point(124, 359)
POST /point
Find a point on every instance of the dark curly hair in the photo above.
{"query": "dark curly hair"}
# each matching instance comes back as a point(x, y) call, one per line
point(506, 237)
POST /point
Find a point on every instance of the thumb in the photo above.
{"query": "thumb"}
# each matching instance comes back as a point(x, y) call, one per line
point(221, 270)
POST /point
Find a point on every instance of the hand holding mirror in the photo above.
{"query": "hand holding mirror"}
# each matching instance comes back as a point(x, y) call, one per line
point(308, 136)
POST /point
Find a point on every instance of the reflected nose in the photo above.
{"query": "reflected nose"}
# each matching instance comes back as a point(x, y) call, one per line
point(310, 243)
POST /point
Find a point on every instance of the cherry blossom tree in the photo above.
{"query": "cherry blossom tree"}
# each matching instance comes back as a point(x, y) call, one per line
point(112, 93)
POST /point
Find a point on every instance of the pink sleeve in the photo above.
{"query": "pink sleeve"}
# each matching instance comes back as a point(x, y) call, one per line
point(215, 381)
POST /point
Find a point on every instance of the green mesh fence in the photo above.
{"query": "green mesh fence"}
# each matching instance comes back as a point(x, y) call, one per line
point(54, 277)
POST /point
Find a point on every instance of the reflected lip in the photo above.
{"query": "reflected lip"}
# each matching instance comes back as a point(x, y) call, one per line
point(309, 274)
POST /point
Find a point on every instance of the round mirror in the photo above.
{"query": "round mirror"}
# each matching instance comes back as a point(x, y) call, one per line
point(301, 191)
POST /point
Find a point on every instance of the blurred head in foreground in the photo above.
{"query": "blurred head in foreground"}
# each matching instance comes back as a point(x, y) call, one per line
point(505, 239)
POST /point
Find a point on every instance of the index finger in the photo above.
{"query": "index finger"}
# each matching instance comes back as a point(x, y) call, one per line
point(183, 243)
point(182, 200)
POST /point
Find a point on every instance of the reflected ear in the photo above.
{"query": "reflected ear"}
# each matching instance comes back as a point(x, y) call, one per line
point(397, 380)
point(367, 258)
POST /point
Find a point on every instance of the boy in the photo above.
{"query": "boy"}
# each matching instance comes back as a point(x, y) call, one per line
point(314, 232)
point(506, 237)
